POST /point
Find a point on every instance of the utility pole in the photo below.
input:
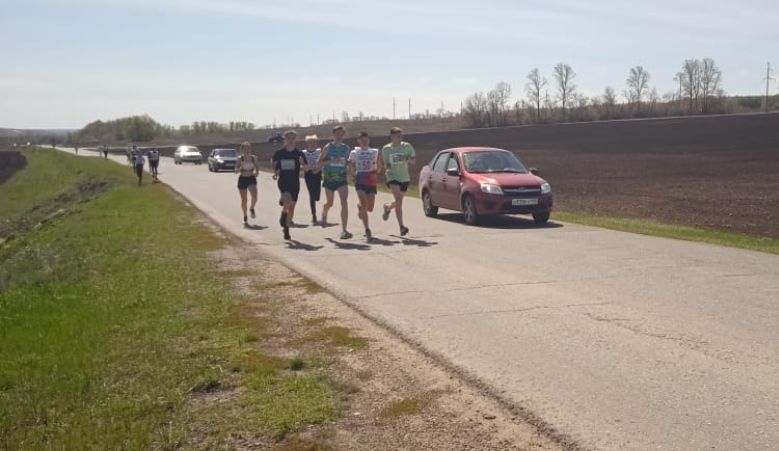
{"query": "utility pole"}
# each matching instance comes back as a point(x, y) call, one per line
point(409, 107)
point(768, 80)
point(394, 106)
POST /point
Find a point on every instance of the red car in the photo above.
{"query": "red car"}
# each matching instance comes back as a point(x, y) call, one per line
point(483, 181)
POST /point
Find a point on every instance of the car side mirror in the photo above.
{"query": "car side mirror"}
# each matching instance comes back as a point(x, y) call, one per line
point(534, 171)
point(453, 172)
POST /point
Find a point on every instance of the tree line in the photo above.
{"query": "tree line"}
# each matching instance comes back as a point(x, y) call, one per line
point(144, 129)
point(558, 100)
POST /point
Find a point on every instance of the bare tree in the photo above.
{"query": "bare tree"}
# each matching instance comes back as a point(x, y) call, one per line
point(497, 100)
point(475, 110)
point(638, 81)
point(533, 89)
point(691, 70)
point(710, 78)
point(565, 87)
point(609, 101)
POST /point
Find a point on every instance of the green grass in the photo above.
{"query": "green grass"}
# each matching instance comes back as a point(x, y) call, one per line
point(112, 322)
point(645, 227)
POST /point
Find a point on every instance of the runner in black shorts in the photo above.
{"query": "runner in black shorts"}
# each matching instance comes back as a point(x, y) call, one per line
point(247, 170)
point(365, 164)
point(287, 162)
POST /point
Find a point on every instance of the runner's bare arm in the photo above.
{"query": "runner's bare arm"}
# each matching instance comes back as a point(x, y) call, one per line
point(323, 155)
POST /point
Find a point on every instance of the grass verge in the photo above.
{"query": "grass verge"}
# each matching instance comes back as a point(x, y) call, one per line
point(115, 328)
point(645, 227)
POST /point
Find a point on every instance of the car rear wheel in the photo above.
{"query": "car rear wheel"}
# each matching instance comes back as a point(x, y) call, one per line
point(427, 204)
point(541, 217)
point(469, 211)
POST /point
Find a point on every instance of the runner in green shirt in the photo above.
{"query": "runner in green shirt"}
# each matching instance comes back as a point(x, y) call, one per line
point(397, 156)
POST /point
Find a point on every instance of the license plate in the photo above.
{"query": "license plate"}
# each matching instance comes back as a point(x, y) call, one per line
point(523, 202)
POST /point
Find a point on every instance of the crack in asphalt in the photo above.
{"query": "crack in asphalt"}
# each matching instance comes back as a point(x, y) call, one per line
point(520, 310)
point(452, 290)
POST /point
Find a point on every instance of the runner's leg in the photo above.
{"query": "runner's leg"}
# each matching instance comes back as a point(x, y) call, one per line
point(398, 204)
point(362, 208)
point(253, 192)
point(343, 193)
point(329, 199)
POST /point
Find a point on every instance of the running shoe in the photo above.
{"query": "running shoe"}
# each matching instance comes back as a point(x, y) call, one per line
point(286, 234)
point(345, 235)
point(283, 219)
point(313, 220)
point(368, 234)
point(252, 212)
point(324, 221)
point(245, 222)
point(403, 230)
point(386, 213)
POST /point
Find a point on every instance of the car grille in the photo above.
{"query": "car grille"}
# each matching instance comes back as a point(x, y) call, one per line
point(522, 191)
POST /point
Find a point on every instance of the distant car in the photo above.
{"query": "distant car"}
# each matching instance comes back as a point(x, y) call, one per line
point(276, 137)
point(482, 181)
point(220, 159)
point(187, 154)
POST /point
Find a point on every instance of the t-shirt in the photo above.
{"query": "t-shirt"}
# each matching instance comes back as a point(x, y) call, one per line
point(137, 158)
point(287, 162)
point(396, 160)
point(335, 162)
point(154, 155)
point(365, 166)
point(312, 159)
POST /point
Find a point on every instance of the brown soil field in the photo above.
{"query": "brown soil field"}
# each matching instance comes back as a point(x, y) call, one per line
point(716, 172)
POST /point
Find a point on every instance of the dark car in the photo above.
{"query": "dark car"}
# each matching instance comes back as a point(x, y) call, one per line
point(220, 159)
point(483, 181)
point(276, 137)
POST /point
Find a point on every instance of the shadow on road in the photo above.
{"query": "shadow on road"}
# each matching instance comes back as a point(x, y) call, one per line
point(297, 245)
point(500, 221)
point(381, 242)
point(254, 227)
point(414, 241)
point(349, 246)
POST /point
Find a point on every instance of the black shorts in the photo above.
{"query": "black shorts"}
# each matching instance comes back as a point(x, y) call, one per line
point(289, 187)
point(403, 185)
point(314, 185)
point(245, 181)
point(368, 189)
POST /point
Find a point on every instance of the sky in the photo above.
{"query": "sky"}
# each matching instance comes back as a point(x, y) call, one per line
point(65, 63)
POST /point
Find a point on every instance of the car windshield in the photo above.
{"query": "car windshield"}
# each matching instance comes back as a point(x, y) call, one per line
point(226, 152)
point(492, 161)
point(191, 149)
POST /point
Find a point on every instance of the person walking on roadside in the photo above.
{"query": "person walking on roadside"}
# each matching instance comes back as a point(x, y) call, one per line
point(138, 163)
point(105, 152)
point(247, 171)
point(397, 156)
point(313, 175)
point(287, 163)
point(154, 161)
point(333, 159)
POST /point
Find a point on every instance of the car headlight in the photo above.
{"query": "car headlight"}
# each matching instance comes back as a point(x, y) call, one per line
point(490, 188)
point(219, 160)
point(546, 188)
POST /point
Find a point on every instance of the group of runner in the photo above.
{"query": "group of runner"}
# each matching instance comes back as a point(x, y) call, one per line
point(330, 168)
point(135, 158)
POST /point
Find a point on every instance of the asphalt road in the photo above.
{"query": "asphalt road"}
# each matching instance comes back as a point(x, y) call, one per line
point(617, 341)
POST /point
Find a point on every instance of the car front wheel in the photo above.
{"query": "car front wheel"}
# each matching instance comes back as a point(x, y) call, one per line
point(427, 204)
point(541, 217)
point(469, 211)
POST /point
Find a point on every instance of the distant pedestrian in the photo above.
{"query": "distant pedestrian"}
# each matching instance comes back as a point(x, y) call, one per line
point(313, 175)
point(138, 163)
point(333, 159)
point(397, 156)
point(154, 161)
point(287, 163)
point(247, 171)
point(365, 164)
point(105, 152)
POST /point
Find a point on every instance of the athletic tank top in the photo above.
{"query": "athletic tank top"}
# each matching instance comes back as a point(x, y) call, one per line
point(247, 167)
point(336, 158)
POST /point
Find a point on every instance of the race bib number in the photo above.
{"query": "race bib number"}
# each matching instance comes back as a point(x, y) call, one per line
point(338, 162)
point(287, 165)
point(397, 158)
point(366, 164)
